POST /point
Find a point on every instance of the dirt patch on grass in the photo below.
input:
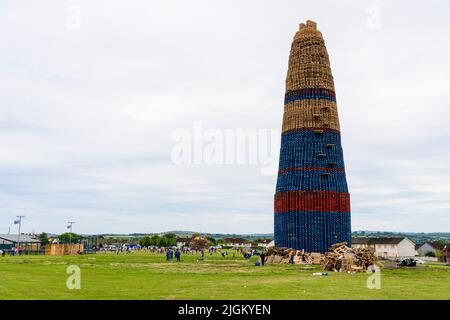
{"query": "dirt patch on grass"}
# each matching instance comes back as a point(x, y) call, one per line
point(187, 267)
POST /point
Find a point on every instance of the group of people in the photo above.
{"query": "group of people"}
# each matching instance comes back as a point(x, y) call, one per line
point(123, 249)
point(12, 252)
point(170, 253)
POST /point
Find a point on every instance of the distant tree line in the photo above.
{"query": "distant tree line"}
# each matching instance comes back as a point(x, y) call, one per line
point(170, 240)
point(166, 240)
point(67, 237)
point(70, 237)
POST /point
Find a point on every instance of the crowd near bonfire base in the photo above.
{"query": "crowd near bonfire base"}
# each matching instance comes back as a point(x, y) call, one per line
point(312, 203)
point(340, 258)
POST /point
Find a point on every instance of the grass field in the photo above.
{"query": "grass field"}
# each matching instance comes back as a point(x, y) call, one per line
point(142, 275)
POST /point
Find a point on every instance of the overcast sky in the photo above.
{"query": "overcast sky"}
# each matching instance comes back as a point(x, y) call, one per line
point(92, 93)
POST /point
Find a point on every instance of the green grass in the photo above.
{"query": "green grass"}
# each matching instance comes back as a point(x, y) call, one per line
point(149, 276)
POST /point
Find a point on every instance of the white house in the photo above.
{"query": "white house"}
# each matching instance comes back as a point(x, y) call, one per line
point(264, 243)
point(439, 249)
point(181, 242)
point(386, 247)
point(426, 248)
point(236, 242)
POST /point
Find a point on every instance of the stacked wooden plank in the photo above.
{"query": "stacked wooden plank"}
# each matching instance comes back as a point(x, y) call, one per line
point(364, 257)
point(63, 249)
point(316, 258)
point(342, 258)
point(288, 255)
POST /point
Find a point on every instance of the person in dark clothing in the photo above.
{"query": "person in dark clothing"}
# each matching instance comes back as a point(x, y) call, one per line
point(167, 255)
point(263, 257)
point(291, 259)
point(178, 255)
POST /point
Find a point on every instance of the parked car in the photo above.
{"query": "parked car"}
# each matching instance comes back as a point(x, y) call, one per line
point(410, 262)
point(420, 261)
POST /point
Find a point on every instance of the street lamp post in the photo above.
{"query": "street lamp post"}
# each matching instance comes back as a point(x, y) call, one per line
point(20, 225)
point(70, 234)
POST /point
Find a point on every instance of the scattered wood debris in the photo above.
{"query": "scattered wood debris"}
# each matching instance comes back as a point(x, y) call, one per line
point(339, 258)
point(342, 258)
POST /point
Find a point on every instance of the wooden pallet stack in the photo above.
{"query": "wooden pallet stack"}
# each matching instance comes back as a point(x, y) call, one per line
point(286, 255)
point(364, 257)
point(339, 258)
point(345, 259)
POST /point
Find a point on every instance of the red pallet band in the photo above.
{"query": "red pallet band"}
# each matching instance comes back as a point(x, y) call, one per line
point(310, 201)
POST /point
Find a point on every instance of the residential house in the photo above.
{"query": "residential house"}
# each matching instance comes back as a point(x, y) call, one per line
point(438, 248)
point(385, 247)
point(181, 242)
point(236, 242)
point(263, 243)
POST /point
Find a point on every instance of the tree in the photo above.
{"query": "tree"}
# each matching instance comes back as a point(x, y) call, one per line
point(430, 254)
point(154, 240)
point(199, 243)
point(172, 241)
point(43, 238)
point(212, 240)
point(70, 238)
point(162, 242)
point(220, 241)
point(170, 235)
point(145, 241)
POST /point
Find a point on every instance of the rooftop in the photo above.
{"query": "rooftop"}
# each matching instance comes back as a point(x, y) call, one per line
point(437, 245)
point(377, 240)
point(235, 240)
point(14, 237)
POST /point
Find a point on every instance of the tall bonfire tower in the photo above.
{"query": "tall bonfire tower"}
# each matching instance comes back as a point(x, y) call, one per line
point(312, 203)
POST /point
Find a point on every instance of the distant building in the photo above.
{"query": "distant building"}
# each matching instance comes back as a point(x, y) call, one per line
point(11, 240)
point(436, 247)
point(181, 242)
point(264, 243)
point(235, 242)
point(386, 247)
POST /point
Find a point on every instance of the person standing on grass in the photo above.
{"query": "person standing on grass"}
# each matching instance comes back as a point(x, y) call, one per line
point(178, 255)
point(167, 255)
point(263, 257)
point(291, 259)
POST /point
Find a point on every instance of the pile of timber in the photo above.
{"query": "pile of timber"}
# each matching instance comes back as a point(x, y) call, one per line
point(344, 259)
point(339, 258)
point(288, 255)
